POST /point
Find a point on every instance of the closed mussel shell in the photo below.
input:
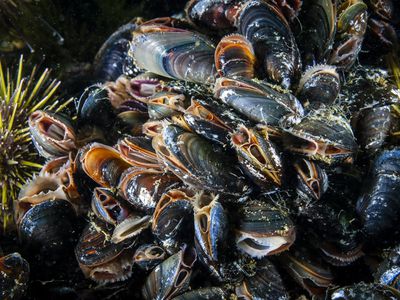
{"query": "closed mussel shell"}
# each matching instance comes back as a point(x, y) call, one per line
point(148, 256)
point(175, 53)
point(258, 102)
point(139, 152)
point(264, 25)
point(258, 156)
point(171, 277)
point(173, 218)
point(203, 294)
point(143, 188)
point(388, 272)
point(319, 85)
point(49, 227)
point(264, 283)
point(103, 164)
point(234, 56)
point(263, 229)
point(361, 291)
point(14, 276)
point(378, 206)
point(52, 134)
point(198, 162)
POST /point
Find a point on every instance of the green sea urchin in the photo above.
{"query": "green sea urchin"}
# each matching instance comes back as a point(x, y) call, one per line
point(20, 95)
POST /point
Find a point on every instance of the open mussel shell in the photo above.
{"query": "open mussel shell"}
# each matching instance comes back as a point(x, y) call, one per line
point(130, 227)
point(263, 229)
point(234, 56)
point(99, 258)
point(311, 180)
point(143, 188)
point(214, 293)
point(173, 218)
point(319, 85)
point(272, 39)
point(171, 277)
point(318, 19)
point(49, 227)
point(175, 53)
point(351, 23)
point(258, 157)
point(264, 283)
point(211, 119)
point(378, 206)
point(364, 291)
point(210, 229)
point(38, 190)
point(108, 207)
point(323, 136)
point(258, 102)
point(52, 134)
point(139, 152)
point(308, 270)
point(103, 164)
point(165, 104)
point(198, 162)
point(94, 107)
point(14, 276)
point(148, 256)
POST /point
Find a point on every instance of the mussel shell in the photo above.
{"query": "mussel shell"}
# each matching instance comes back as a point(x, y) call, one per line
point(49, 227)
point(103, 164)
point(265, 283)
point(94, 107)
point(148, 256)
point(234, 56)
point(112, 60)
point(165, 104)
point(170, 277)
point(311, 180)
point(197, 161)
point(372, 127)
point(52, 134)
point(214, 293)
point(319, 85)
point(378, 206)
point(143, 188)
point(258, 102)
point(95, 248)
point(139, 152)
point(258, 157)
point(263, 229)
point(322, 135)
point(14, 276)
point(308, 270)
point(269, 32)
point(364, 291)
point(318, 19)
point(107, 207)
point(173, 219)
point(214, 15)
point(175, 53)
point(129, 228)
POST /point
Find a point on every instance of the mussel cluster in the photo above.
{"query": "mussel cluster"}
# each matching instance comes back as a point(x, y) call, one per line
point(239, 151)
